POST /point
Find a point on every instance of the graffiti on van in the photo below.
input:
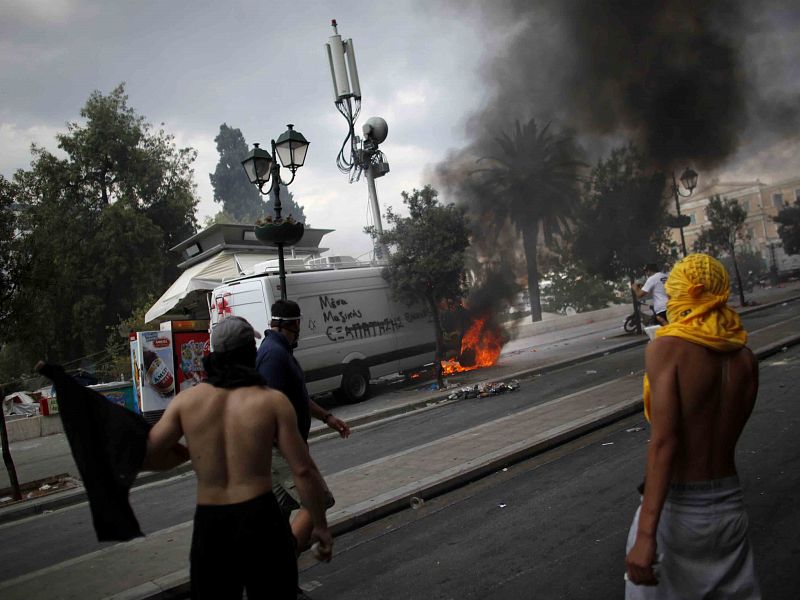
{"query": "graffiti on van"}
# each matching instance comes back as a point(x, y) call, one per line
point(415, 316)
point(344, 314)
point(363, 329)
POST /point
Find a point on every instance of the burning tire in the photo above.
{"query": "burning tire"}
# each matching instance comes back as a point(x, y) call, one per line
point(355, 384)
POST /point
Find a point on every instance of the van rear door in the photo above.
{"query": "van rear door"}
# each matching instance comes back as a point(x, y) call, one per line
point(247, 299)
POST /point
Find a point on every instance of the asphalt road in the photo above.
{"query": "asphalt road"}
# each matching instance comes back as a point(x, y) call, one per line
point(555, 526)
point(40, 541)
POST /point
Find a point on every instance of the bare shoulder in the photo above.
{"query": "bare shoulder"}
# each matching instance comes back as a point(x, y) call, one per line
point(267, 398)
point(201, 390)
point(666, 349)
point(745, 354)
point(746, 361)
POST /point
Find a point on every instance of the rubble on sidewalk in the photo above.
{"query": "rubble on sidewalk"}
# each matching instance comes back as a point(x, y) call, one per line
point(482, 390)
point(39, 488)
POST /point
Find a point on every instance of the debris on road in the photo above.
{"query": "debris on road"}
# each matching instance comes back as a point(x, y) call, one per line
point(608, 443)
point(502, 505)
point(40, 487)
point(416, 502)
point(482, 390)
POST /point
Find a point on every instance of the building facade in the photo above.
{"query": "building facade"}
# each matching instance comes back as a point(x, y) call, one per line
point(761, 201)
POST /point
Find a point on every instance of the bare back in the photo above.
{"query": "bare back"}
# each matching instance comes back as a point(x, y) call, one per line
point(230, 433)
point(716, 393)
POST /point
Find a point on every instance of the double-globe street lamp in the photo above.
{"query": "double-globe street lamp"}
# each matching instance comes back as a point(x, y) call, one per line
point(689, 181)
point(261, 167)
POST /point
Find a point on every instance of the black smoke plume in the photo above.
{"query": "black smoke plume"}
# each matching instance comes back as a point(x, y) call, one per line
point(687, 81)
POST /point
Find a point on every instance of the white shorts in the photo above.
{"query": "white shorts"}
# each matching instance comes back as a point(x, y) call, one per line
point(702, 537)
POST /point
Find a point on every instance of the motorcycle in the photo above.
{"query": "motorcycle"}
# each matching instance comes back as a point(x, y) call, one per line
point(640, 318)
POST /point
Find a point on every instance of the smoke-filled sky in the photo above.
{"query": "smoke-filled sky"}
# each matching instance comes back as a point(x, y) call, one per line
point(711, 83)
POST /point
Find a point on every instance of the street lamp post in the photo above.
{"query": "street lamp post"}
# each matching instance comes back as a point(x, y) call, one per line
point(689, 181)
point(262, 166)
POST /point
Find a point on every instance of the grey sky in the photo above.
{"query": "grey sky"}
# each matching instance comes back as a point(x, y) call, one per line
point(254, 65)
point(258, 65)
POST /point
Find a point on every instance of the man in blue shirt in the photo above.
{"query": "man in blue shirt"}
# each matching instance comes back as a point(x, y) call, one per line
point(279, 368)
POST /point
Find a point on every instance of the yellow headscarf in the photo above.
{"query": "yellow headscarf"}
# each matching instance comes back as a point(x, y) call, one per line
point(697, 309)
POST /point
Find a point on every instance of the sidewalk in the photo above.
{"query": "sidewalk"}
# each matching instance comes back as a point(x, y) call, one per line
point(369, 491)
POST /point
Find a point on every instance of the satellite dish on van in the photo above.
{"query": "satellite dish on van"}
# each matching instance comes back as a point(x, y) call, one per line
point(376, 129)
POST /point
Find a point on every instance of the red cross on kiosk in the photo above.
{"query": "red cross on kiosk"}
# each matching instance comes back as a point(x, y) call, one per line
point(222, 305)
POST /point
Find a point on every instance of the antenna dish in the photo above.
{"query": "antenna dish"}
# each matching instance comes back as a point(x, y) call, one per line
point(376, 130)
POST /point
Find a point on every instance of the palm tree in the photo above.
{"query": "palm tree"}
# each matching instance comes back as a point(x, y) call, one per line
point(537, 173)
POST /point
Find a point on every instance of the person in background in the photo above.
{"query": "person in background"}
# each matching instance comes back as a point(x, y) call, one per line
point(280, 370)
point(654, 287)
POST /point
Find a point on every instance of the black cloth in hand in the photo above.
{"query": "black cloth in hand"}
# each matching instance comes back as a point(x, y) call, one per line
point(108, 443)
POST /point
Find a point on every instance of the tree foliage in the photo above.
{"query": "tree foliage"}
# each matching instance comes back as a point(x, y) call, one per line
point(726, 229)
point(10, 266)
point(571, 288)
point(534, 173)
point(788, 220)
point(96, 228)
point(117, 350)
point(239, 198)
point(426, 264)
point(622, 221)
point(289, 208)
point(241, 201)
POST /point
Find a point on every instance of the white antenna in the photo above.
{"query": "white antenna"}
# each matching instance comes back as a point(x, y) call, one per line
point(352, 69)
point(365, 156)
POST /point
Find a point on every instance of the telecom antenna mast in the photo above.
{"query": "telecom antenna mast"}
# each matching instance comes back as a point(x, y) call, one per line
point(362, 155)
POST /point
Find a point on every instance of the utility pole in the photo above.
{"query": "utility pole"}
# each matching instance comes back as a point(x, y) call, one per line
point(364, 155)
point(7, 458)
point(773, 268)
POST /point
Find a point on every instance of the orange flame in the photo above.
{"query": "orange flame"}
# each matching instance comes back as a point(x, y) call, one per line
point(480, 347)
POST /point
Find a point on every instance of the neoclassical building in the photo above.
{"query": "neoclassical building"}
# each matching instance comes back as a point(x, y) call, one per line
point(762, 202)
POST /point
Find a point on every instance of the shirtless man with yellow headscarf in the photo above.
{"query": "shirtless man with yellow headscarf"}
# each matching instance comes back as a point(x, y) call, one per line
point(700, 389)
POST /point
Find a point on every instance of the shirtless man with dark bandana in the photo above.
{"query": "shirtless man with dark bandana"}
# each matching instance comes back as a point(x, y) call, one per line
point(241, 540)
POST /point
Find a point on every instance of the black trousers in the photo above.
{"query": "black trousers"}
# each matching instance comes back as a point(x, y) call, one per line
point(244, 546)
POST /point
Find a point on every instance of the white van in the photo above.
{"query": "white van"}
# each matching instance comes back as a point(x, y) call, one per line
point(351, 331)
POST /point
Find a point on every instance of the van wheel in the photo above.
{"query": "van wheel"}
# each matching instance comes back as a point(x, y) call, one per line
point(355, 384)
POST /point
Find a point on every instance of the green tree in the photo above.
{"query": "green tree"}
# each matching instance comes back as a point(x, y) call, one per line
point(289, 208)
point(534, 173)
point(621, 223)
point(96, 228)
point(726, 229)
point(239, 198)
point(117, 359)
point(10, 266)
point(788, 220)
point(571, 287)
point(241, 201)
point(426, 264)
